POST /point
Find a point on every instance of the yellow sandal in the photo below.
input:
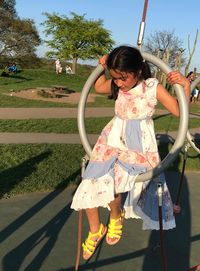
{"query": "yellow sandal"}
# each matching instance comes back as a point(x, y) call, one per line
point(90, 245)
point(115, 230)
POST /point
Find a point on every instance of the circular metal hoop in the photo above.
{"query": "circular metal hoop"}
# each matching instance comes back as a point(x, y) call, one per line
point(190, 138)
point(183, 124)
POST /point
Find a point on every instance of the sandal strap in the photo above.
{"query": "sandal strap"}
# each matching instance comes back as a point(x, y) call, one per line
point(97, 234)
point(115, 231)
point(89, 245)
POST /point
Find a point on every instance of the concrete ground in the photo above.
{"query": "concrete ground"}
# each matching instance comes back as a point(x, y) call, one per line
point(39, 232)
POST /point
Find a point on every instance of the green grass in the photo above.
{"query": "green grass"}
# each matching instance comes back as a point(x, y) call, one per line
point(169, 123)
point(28, 168)
point(195, 108)
point(93, 125)
point(32, 78)
point(39, 167)
point(192, 163)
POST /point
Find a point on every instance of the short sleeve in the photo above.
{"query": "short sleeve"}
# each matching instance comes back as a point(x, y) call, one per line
point(151, 84)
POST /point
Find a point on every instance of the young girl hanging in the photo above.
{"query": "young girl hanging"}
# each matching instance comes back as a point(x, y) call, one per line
point(126, 147)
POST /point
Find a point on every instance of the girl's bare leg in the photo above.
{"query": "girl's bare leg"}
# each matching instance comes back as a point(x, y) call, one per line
point(93, 213)
point(94, 225)
point(115, 213)
point(115, 207)
point(93, 219)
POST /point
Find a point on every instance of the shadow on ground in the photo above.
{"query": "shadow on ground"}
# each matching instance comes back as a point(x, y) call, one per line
point(123, 256)
point(47, 235)
point(13, 176)
point(41, 240)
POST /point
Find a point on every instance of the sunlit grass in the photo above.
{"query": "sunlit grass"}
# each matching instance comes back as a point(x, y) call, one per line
point(38, 167)
point(28, 168)
point(163, 123)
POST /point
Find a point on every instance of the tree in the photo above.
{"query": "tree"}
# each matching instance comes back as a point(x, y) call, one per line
point(17, 37)
point(8, 6)
point(191, 52)
point(76, 38)
point(162, 42)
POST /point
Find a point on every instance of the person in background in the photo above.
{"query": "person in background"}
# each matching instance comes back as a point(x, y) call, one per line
point(12, 68)
point(68, 69)
point(58, 66)
point(194, 92)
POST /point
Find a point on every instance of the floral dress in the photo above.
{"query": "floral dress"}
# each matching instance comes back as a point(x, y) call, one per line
point(127, 147)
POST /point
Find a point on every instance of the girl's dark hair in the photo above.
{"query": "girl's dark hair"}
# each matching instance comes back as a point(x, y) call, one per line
point(189, 74)
point(127, 59)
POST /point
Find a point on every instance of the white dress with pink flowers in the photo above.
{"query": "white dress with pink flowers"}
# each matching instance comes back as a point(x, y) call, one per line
point(127, 147)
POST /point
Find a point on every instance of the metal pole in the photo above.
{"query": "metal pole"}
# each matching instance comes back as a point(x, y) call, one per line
point(144, 11)
point(162, 248)
point(142, 25)
point(80, 218)
point(177, 207)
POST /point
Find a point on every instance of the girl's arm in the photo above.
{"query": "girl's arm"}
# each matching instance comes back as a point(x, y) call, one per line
point(102, 84)
point(170, 102)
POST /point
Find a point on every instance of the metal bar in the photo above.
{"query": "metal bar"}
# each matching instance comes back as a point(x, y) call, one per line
point(144, 11)
point(162, 248)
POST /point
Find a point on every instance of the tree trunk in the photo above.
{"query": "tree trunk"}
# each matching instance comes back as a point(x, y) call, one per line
point(191, 53)
point(74, 63)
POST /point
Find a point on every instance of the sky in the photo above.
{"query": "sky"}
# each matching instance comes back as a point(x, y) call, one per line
point(122, 18)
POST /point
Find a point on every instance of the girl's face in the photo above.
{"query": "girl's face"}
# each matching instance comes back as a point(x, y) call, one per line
point(124, 80)
point(191, 77)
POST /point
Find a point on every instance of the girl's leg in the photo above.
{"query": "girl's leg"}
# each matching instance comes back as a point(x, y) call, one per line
point(97, 232)
point(115, 207)
point(93, 219)
point(116, 220)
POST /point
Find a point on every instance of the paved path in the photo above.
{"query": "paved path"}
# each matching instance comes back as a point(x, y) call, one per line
point(55, 138)
point(47, 113)
point(44, 138)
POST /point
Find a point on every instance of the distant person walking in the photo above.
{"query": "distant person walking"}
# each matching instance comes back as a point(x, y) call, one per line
point(58, 66)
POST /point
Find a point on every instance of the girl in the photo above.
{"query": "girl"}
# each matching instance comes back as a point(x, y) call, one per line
point(126, 147)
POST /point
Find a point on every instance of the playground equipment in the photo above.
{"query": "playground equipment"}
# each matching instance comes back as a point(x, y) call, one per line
point(176, 148)
point(182, 125)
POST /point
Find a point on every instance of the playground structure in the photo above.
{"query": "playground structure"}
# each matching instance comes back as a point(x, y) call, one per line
point(183, 134)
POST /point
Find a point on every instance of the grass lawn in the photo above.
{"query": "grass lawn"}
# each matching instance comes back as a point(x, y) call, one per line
point(163, 123)
point(32, 78)
point(28, 168)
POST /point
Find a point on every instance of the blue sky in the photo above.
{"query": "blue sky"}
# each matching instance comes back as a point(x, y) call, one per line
point(122, 18)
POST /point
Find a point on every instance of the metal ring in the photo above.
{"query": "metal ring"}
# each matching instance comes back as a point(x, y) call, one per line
point(183, 124)
point(190, 138)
